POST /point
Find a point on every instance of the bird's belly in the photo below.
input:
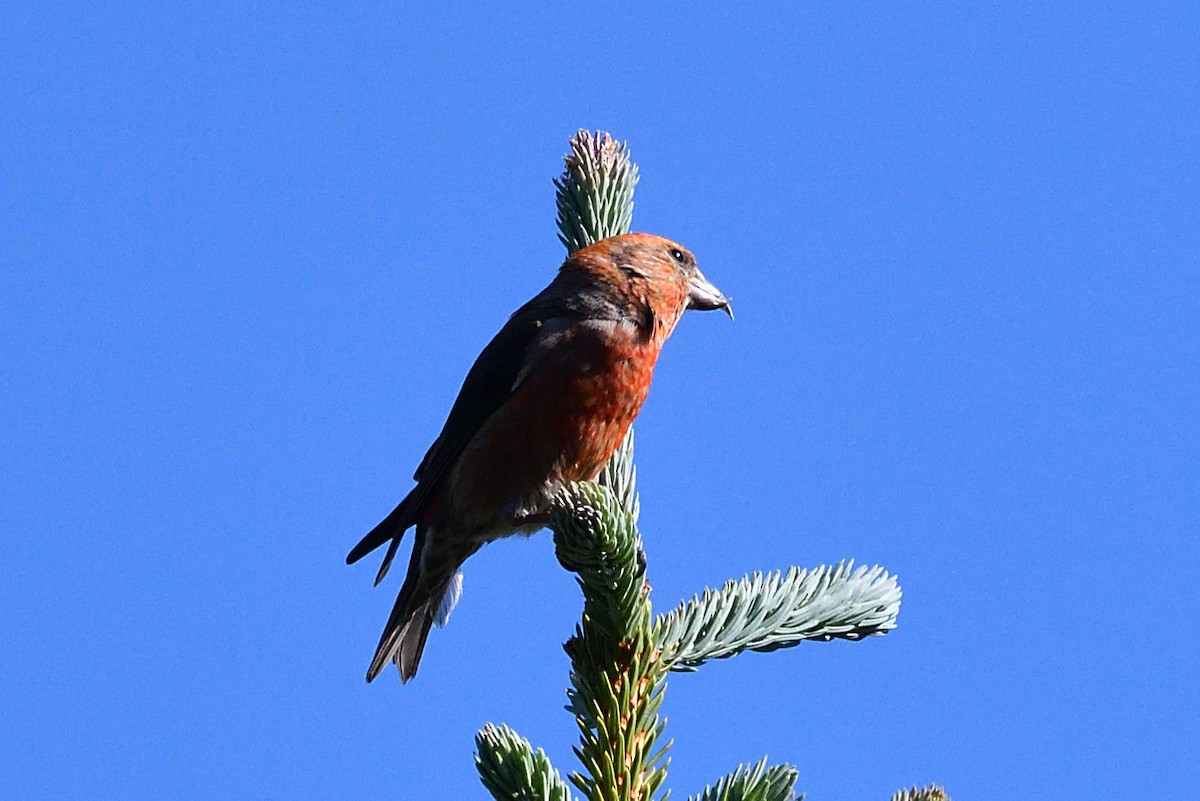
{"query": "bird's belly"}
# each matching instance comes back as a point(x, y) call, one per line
point(559, 426)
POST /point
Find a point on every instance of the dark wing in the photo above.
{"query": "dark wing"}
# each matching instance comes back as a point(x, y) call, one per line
point(487, 386)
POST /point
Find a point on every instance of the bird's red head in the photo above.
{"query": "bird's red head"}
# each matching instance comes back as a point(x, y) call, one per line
point(649, 276)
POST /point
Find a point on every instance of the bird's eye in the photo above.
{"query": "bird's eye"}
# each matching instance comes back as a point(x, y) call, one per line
point(677, 255)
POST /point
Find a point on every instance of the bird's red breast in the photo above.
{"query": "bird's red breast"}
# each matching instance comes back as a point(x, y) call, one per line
point(562, 424)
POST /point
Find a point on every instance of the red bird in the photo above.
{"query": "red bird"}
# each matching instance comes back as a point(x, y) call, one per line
point(546, 403)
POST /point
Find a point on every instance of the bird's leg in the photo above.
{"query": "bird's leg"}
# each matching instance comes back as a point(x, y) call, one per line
point(539, 519)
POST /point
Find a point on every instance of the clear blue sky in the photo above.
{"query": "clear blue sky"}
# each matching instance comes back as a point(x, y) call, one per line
point(247, 255)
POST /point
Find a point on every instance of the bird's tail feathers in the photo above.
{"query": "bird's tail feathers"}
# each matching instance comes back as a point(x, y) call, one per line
point(424, 600)
point(390, 528)
point(404, 638)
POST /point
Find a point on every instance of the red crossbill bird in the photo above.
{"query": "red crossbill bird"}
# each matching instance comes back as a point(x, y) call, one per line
point(547, 402)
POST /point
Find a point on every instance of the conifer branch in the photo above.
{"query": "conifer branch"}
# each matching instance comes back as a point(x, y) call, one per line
point(598, 541)
point(930, 793)
point(595, 191)
point(620, 476)
point(754, 783)
point(765, 613)
point(512, 771)
point(616, 674)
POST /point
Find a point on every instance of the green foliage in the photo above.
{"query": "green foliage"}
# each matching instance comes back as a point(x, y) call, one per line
point(616, 673)
point(620, 476)
point(510, 769)
point(598, 541)
point(754, 783)
point(930, 793)
point(595, 191)
point(621, 654)
point(765, 613)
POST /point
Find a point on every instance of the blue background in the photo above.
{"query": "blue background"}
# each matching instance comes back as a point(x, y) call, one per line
point(247, 255)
